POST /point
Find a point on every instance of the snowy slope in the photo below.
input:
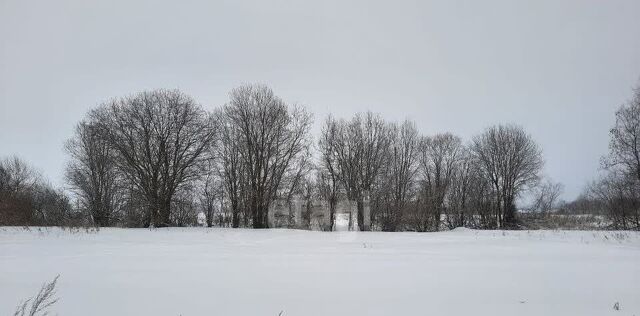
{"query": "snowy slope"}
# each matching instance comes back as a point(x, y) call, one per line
point(227, 272)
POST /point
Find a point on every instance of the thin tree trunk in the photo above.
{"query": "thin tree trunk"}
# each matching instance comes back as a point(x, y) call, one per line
point(360, 206)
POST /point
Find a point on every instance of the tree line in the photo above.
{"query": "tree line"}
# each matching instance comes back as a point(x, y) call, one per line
point(158, 158)
point(618, 190)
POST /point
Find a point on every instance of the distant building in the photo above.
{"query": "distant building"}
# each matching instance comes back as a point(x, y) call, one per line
point(315, 214)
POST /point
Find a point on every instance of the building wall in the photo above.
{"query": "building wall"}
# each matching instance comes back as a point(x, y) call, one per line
point(314, 214)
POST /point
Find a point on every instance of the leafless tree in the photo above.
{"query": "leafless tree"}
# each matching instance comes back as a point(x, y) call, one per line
point(4, 178)
point(160, 139)
point(618, 191)
point(27, 199)
point(135, 209)
point(298, 183)
point(327, 189)
point(18, 181)
point(16, 175)
point(439, 159)
point(230, 169)
point(92, 174)
point(512, 162)
point(624, 145)
point(184, 206)
point(395, 189)
point(50, 207)
point(272, 135)
point(307, 190)
point(328, 177)
point(359, 150)
point(546, 196)
point(296, 179)
point(461, 197)
point(585, 204)
point(210, 193)
point(374, 137)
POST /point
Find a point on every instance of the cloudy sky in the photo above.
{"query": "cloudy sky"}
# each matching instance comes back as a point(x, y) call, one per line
point(558, 68)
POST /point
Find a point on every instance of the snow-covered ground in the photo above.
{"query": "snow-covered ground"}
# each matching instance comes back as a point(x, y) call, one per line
point(227, 272)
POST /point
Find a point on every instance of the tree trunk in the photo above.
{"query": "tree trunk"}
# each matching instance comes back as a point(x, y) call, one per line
point(153, 212)
point(256, 215)
point(164, 213)
point(360, 205)
point(332, 214)
point(235, 213)
point(509, 213)
point(436, 218)
point(265, 215)
point(209, 215)
point(235, 217)
point(259, 214)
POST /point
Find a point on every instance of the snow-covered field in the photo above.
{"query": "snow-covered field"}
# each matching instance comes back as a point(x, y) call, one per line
point(227, 272)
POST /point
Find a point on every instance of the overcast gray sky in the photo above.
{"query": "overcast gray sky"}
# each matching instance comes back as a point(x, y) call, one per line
point(558, 68)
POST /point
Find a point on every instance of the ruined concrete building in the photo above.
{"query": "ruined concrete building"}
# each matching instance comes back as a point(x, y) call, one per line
point(315, 214)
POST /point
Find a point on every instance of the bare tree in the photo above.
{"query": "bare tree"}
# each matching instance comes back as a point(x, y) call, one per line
point(619, 194)
point(461, 191)
point(512, 162)
point(208, 197)
point(397, 185)
point(546, 196)
point(439, 158)
point(18, 182)
point(184, 208)
point(624, 145)
point(328, 177)
point(342, 150)
point(92, 174)
point(16, 175)
point(160, 139)
point(135, 209)
point(272, 136)
point(50, 207)
point(359, 149)
point(27, 199)
point(619, 190)
point(228, 155)
point(327, 189)
point(373, 134)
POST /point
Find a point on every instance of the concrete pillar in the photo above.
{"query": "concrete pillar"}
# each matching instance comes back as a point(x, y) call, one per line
point(326, 214)
point(367, 212)
point(297, 204)
point(353, 215)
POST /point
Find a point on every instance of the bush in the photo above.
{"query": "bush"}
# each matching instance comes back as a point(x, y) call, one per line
point(41, 303)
